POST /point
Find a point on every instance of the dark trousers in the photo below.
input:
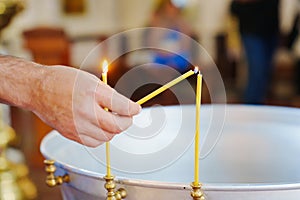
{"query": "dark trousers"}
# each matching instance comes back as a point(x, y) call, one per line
point(259, 53)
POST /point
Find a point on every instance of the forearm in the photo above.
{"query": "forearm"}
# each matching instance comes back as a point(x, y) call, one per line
point(20, 81)
point(70, 100)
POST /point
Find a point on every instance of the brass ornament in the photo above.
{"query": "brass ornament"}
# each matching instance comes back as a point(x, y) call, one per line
point(51, 179)
point(14, 183)
point(196, 192)
point(110, 186)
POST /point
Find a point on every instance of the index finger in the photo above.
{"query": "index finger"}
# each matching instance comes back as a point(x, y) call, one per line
point(109, 98)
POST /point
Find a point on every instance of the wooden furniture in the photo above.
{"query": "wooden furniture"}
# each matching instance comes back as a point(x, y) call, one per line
point(48, 46)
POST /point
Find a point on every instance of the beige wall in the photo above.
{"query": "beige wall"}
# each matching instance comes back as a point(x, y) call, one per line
point(108, 17)
point(101, 17)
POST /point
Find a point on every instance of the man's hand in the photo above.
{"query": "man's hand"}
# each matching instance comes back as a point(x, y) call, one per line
point(70, 100)
point(73, 101)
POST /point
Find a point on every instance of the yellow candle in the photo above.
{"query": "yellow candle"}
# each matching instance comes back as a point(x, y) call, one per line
point(104, 79)
point(197, 131)
point(166, 86)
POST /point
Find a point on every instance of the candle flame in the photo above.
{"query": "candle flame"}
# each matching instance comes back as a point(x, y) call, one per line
point(105, 66)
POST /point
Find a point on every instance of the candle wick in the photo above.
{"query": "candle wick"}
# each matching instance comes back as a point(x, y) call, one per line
point(196, 70)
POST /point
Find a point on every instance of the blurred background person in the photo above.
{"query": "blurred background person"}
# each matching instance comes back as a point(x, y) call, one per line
point(259, 30)
point(289, 26)
point(167, 15)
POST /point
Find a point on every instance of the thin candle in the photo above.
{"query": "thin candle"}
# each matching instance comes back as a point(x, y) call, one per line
point(166, 86)
point(197, 129)
point(107, 144)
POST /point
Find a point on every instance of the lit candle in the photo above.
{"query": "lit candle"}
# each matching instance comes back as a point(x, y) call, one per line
point(166, 86)
point(104, 79)
point(104, 71)
point(197, 129)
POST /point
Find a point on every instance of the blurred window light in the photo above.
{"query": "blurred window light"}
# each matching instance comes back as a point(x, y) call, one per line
point(183, 3)
point(180, 3)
